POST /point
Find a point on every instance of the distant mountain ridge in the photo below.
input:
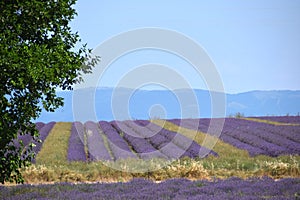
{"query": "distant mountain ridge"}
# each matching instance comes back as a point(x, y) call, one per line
point(165, 104)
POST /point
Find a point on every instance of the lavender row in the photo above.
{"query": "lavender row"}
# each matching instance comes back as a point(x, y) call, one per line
point(123, 138)
point(76, 150)
point(193, 124)
point(23, 140)
point(252, 150)
point(95, 143)
point(291, 132)
point(283, 131)
point(255, 137)
point(158, 141)
point(264, 138)
point(232, 188)
point(149, 140)
point(286, 137)
point(272, 134)
point(191, 148)
point(119, 147)
point(234, 129)
point(39, 125)
point(230, 138)
point(27, 138)
point(139, 144)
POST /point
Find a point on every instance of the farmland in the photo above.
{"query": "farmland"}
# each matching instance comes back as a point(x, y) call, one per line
point(233, 188)
point(167, 151)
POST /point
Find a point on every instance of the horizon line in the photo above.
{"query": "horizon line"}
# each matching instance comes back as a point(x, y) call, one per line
point(165, 89)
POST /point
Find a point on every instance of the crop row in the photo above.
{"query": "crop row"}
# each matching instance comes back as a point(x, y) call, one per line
point(233, 188)
point(127, 139)
point(26, 139)
point(142, 139)
point(255, 137)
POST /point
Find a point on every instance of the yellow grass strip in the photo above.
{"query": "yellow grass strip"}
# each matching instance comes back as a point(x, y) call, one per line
point(269, 121)
point(55, 147)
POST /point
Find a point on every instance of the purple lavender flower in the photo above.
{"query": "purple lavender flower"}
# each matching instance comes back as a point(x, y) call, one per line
point(119, 147)
point(76, 150)
point(95, 143)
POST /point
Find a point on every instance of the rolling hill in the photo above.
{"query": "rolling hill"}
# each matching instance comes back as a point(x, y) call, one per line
point(145, 104)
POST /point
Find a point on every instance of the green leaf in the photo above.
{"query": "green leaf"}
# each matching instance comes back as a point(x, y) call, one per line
point(36, 56)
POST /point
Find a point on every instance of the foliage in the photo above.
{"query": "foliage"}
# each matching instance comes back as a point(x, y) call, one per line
point(36, 56)
point(239, 115)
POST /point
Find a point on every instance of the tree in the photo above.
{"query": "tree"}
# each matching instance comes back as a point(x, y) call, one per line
point(37, 55)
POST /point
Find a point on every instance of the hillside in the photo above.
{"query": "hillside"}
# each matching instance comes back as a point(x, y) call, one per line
point(140, 102)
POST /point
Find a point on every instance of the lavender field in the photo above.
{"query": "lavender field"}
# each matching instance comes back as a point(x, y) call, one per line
point(111, 141)
point(263, 156)
point(256, 137)
point(233, 188)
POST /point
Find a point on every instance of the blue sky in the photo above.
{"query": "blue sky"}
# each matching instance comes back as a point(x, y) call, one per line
point(254, 44)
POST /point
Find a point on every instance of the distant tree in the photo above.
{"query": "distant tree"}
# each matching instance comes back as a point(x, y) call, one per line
point(239, 115)
point(37, 55)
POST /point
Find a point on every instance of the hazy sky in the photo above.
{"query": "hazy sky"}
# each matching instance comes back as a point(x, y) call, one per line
point(254, 44)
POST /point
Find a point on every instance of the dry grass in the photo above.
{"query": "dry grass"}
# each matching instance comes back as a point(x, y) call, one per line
point(55, 147)
point(208, 168)
point(269, 122)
